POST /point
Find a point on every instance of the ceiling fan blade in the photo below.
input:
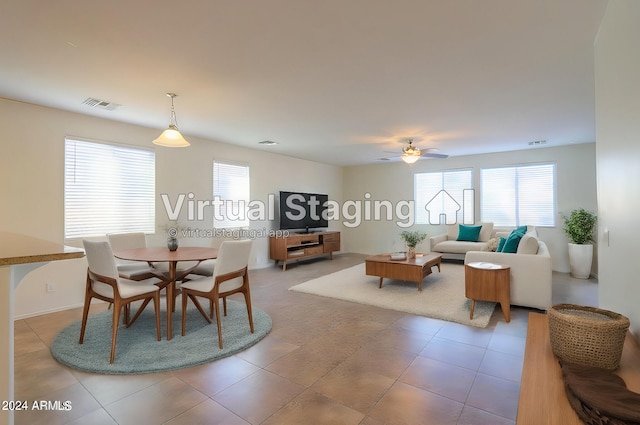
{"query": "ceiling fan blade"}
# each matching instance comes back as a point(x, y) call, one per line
point(435, 155)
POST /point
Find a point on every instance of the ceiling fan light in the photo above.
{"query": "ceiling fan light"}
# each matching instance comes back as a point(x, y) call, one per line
point(410, 158)
point(171, 138)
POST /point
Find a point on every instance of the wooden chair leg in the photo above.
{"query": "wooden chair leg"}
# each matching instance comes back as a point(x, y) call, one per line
point(247, 300)
point(156, 305)
point(114, 333)
point(184, 312)
point(224, 304)
point(85, 315)
point(216, 301)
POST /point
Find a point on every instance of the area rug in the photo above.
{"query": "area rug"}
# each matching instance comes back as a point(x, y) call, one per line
point(442, 295)
point(138, 351)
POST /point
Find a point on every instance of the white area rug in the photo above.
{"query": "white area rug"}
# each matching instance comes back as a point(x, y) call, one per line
point(442, 295)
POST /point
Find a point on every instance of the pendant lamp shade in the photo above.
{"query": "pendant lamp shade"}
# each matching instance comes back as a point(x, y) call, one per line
point(171, 137)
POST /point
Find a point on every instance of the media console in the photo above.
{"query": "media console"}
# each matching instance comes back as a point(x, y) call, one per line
point(296, 246)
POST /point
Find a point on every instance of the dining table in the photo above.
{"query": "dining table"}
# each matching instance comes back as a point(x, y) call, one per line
point(164, 255)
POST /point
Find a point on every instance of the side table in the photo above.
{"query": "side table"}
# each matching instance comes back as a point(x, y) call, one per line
point(488, 282)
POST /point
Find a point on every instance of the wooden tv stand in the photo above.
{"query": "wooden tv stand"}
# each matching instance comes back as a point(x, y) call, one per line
point(296, 246)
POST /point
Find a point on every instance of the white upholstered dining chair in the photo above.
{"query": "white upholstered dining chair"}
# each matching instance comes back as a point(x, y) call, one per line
point(133, 270)
point(104, 283)
point(230, 276)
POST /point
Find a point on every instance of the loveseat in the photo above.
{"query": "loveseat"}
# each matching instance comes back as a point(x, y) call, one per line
point(530, 269)
point(451, 248)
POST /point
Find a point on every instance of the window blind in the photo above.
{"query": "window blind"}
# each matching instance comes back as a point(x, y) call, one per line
point(231, 185)
point(443, 195)
point(519, 195)
point(107, 189)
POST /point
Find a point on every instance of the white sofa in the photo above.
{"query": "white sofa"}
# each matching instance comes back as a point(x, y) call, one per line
point(530, 270)
point(451, 249)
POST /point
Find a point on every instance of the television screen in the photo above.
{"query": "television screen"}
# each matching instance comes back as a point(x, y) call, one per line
point(300, 210)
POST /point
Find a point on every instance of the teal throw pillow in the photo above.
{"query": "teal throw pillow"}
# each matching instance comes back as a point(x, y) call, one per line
point(512, 242)
point(468, 233)
point(501, 244)
point(521, 229)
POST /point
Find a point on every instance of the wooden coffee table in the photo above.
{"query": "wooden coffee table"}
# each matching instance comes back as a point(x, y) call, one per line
point(412, 270)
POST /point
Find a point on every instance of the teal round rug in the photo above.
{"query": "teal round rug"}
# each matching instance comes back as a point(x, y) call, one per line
point(138, 351)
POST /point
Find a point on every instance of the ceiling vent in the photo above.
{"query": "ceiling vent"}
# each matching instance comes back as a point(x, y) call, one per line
point(100, 104)
point(538, 143)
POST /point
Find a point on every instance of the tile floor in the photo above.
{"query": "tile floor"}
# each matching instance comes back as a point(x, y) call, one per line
point(325, 362)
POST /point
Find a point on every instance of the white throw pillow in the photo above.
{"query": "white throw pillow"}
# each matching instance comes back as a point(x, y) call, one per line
point(528, 244)
point(485, 232)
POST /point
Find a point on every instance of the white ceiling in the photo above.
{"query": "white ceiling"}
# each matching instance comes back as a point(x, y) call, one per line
point(333, 81)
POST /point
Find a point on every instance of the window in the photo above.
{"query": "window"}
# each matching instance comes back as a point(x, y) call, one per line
point(444, 197)
point(520, 195)
point(107, 189)
point(231, 187)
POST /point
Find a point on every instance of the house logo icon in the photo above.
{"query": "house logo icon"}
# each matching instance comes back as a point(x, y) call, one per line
point(443, 208)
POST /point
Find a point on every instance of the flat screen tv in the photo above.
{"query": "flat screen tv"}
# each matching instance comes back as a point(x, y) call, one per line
point(303, 211)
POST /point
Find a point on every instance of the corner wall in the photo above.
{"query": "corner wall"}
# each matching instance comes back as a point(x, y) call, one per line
point(617, 72)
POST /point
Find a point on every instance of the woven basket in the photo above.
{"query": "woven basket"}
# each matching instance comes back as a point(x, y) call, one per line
point(586, 335)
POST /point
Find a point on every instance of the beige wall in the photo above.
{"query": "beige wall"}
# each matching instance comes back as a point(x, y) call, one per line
point(576, 188)
point(32, 190)
point(617, 60)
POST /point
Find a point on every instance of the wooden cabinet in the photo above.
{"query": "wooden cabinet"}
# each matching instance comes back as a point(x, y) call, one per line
point(296, 246)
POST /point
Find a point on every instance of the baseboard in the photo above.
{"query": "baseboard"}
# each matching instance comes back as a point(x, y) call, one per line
point(52, 310)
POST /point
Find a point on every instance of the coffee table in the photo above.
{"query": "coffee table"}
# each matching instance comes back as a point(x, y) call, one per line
point(412, 270)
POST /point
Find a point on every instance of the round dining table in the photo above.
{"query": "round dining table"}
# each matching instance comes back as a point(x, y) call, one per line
point(163, 255)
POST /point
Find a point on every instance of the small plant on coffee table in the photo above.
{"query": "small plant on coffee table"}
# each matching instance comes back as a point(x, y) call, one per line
point(412, 239)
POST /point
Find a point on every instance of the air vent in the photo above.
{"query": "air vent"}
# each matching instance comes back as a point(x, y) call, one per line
point(268, 143)
point(538, 143)
point(100, 104)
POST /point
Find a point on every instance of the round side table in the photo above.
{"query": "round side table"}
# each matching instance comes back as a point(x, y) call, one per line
point(488, 282)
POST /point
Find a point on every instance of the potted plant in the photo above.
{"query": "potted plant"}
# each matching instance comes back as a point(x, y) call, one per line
point(579, 226)
point(412, 239)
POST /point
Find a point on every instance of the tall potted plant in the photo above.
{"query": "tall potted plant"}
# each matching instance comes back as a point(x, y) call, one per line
point(579, 226)
point(412, 239)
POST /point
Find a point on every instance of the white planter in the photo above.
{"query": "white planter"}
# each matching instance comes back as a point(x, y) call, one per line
point(580, 258)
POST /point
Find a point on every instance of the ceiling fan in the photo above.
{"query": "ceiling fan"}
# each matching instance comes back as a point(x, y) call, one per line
point(411, 153)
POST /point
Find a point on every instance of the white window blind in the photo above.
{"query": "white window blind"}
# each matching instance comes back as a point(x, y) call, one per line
point(231, 186)
point(107, 189)
point(519, 195)
point(440, 197)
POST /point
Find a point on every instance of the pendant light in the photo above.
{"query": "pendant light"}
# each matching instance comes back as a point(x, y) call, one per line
point(171, 137)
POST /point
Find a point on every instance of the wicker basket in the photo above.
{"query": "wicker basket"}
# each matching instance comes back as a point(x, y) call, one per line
point(586, 335)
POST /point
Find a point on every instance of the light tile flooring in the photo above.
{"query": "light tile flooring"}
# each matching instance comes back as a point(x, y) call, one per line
point(325, 362)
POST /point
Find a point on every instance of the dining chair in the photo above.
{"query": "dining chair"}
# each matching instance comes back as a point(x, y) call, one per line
point(133, 270)
point(105, 283)
point(137, 270)
point(230, 276)
point(205, 268)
